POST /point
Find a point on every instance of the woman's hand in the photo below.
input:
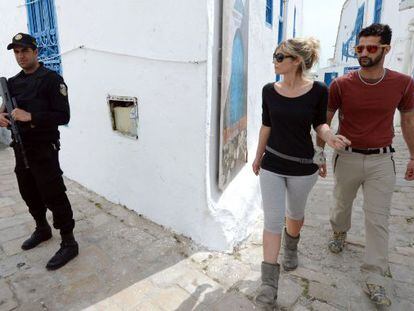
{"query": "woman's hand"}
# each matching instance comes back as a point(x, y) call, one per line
point(256, 165)
point(409, 173)
point(338, 141)
point(322, 170)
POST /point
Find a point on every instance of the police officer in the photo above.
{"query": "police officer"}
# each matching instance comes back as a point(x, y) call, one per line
point(42, 101)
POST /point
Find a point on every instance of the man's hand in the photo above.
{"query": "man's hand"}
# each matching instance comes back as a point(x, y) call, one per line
point(338, 141)
point(409, 173)
point(4, 122)
point(21, 115)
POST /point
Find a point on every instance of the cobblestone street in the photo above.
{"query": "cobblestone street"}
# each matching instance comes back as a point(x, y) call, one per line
point(129, 263)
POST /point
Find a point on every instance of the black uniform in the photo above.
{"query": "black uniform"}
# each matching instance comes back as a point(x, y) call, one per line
point(43, 94)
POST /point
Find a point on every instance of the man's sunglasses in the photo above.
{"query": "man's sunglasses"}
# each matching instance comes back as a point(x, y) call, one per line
point(370, 48)
point(279, 57)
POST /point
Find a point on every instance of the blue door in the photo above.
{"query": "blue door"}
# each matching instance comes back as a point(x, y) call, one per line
point(42, 25)
point(329, 76)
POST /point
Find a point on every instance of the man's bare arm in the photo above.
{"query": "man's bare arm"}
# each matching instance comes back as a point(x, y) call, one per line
point(329, 117)
point(407, 127)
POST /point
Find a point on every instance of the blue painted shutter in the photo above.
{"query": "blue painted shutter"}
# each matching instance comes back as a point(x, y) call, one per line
point(269, 12)
point(378, 10)
point(43, 26)
point(280, 31)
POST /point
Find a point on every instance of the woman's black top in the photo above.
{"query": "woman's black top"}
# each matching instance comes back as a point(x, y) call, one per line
point(290, 120)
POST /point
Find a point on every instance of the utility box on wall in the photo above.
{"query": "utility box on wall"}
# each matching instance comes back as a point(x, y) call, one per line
point(124, 114)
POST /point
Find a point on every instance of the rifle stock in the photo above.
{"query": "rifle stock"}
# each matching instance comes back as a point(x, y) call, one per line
point(10, 104)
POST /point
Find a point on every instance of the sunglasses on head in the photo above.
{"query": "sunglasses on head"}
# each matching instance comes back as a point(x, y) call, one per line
point(371, 48)
point(279, 57)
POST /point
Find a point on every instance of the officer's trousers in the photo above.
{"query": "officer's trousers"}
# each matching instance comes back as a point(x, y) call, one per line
point(41, 185)
point(376, 174)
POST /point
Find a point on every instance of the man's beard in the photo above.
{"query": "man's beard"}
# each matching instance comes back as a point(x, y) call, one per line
point(370, 62)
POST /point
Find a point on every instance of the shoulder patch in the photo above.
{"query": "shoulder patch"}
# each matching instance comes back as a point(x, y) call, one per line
point(63, 90)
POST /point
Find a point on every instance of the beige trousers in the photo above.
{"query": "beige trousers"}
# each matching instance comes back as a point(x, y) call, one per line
point(376, 174)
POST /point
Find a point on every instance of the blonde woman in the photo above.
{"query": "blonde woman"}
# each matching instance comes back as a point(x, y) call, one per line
point(284, 155)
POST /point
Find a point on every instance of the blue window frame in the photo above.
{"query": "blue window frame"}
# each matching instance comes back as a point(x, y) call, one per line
point(269, 12)
point(42, 25)
point(281, 27)
point(348, 46)
point(377, 11)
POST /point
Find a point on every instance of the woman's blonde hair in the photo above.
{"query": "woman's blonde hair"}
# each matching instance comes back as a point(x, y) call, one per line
point(306, 49)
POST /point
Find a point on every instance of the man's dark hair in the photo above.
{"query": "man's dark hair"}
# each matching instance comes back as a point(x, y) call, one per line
point(377, 30)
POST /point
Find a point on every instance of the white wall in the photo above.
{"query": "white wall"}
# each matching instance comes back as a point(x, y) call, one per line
point(171, 63)
point(161, 59)
point(299, 18)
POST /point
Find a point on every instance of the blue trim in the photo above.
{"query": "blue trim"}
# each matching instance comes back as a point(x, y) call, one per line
point(350, 68)
point(377, 11)
point(42, 24)
point(269, 12)
point(280, 29)
point(281, 26)
point(294, 22)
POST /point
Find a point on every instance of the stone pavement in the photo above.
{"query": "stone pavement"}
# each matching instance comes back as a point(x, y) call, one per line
point(129, 263)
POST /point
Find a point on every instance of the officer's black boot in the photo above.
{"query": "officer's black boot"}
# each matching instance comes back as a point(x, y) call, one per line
point(69, 249)
point(42, 233)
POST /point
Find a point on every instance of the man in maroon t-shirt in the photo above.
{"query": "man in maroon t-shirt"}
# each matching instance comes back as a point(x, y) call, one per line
point(367, 100)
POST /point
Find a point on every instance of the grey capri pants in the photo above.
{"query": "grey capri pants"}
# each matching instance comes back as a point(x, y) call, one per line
point(284, 195)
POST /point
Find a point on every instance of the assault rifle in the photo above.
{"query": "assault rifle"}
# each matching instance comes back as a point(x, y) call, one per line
point(10, 103)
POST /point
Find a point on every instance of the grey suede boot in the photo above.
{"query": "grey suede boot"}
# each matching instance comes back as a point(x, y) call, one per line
point(267, 293)
point(290, 252)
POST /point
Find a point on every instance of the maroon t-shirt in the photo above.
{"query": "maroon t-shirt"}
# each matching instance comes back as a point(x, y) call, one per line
point(366, 112)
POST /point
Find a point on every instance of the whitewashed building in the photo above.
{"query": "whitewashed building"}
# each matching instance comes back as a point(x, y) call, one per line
point(147, 84)
point(357, 14)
